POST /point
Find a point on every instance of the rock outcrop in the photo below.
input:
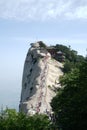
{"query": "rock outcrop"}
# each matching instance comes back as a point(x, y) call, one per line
point(40, 80)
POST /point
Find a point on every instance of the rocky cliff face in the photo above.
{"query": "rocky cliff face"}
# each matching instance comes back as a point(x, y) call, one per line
point(40, 80)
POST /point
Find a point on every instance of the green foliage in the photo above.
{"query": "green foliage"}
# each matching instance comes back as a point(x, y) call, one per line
point(12, 120)
point(72, 60)
point(42, 44)
point(8, 119)
point(69, 54)
point(39, 122)
point(68, 66)
point(70, 104)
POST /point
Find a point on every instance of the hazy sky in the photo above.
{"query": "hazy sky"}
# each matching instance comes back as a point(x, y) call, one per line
point(26, 21)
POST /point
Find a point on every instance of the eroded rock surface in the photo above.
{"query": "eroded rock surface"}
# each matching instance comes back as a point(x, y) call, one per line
point(40, 80)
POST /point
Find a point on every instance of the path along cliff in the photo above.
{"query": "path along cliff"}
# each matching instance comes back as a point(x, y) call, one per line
point(40, 80)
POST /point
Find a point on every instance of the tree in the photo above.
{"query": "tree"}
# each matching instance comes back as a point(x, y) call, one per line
point(68, 66)
point(70, 104)
point(12, 120)
point(42, 44)
point(39, 122)
point(8, 119)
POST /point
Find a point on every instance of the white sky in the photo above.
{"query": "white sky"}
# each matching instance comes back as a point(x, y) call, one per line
point(43, 9)
point(26, 21)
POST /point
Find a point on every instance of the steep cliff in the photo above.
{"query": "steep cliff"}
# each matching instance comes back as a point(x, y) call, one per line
point(40, 80)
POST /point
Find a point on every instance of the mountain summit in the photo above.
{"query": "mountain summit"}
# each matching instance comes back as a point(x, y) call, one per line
point(40, 79)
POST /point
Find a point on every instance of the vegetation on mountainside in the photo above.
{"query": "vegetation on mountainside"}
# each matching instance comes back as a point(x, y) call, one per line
point(72, 59)
point(70, 104)
point(12, 120)
point(68, 56)
point(42, 44)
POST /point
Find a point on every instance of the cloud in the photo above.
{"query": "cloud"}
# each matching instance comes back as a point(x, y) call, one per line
point(79, 13)
point(43, 9)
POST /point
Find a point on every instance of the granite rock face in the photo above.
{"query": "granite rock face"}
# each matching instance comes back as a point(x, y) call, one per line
point(40, 80)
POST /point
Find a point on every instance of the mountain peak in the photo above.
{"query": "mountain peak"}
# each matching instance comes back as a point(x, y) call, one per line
point(40, 80)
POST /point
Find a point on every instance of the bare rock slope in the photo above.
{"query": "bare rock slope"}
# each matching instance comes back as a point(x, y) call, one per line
point(40, 80)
